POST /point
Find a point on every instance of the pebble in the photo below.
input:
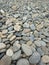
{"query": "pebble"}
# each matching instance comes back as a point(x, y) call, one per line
point(32, 26)
point(6, 60)
point(9, 52)
point(39, 43)
point(23, 61)
point(17, 27)
point(2, 46)
point(26, 25)
point(40, 51)
point(29, 43)
point(0, 24)
point(45, 59)
point(16, 46)
point(4, 31)
point(26, 49)
point(16, 55)
point(35, 58)
point(12, 38)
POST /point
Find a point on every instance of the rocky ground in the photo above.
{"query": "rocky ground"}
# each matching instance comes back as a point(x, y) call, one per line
point(24, 32)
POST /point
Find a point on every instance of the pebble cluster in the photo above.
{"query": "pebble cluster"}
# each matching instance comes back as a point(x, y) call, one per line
point(24, 34)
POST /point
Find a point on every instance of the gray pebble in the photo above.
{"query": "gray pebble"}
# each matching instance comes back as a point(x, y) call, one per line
point(16, 55)
point(35, 58)
point(23, 62)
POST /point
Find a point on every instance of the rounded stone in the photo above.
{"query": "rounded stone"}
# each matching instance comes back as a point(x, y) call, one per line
point(26, 49)
point(16, 55)
point(45, 59)
point(17, 27)
point(35, 58)
point(40, 43)
point(6, 60)
point(2, 45)
point(23, 62)
point(9, 52)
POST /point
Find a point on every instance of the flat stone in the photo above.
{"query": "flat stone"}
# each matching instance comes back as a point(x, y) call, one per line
point(12, 38)
point(9, 52)
point(32, 26)
point(29, 43)
point(2, 46)
point(6, 60)
point(4, 31)
point(16, 46)
point(45, 59)
point(40, 51)
point(26, 49)
point(40, 43)
point(35, 58)
point(23, 62)
point(16, 55)
point(26, 25)
point(17, 27)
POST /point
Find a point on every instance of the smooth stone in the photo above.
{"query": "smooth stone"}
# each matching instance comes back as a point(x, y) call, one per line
point(10, 28)
point(26, 49)
point(31, 37)
point(23, 61)
point(26, 25)
point(16, 55)
point(35, 58)
point(24, 18)
point(4, 31)
point(16, 46)
point(39, 43)
point(40, 51)
point(2, 46)
point(17, 27)
point(6, 60)
point(0, 24)
point(45, 59)
point(9, 52)
point(32, 26)
point(12, 38)
point(29, 43)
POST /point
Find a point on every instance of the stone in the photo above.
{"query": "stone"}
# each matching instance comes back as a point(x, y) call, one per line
point(45, 59)
point(16, 55)
point(26, 25)
point(4, 31)
point(26, 31)
point(35, 58)
point(40, 51)
point(39, 43)
point(32, 26)
point(29, 43)
point(6, 60)
point(2, 46)
point(9, 52)
point(16, 46)
point(17, 27)
point(23, 61)
point(12, 38)
point(0, 24)
point(26, 49)
point(24, 18)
